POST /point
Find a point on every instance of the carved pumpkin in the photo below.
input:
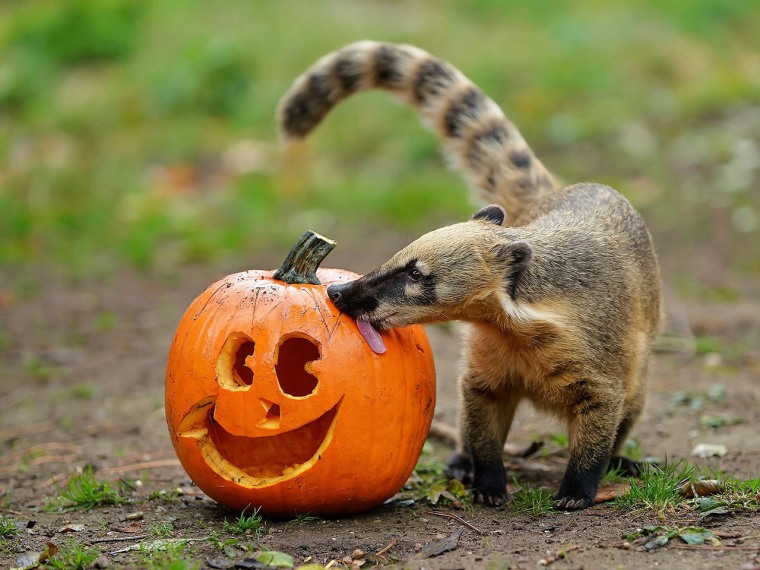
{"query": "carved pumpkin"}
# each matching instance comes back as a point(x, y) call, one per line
point(275, 401)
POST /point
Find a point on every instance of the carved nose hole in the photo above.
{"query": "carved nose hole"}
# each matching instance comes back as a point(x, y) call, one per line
point(293, 356)
point(272, 418)
point(232, 370)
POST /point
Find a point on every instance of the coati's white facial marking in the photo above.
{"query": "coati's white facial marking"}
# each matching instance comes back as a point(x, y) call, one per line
point(525, 313)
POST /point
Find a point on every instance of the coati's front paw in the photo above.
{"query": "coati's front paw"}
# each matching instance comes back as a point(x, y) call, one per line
point(490, 490)
point(572, 502)
point(459, 467)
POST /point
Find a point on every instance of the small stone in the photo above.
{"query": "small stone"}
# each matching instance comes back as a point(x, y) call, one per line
point(705, 450)
point(357, 553)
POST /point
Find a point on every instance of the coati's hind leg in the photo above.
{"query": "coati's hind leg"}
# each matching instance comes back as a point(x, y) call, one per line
point(592, 429)
point(485, 422)
point(625, 466)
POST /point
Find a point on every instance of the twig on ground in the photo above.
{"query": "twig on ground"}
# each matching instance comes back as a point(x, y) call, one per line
point(41, 459)
point(54, 480)
point(549, 560)
point(141, 466)
point(119, 538)
point(10, 433)
point(460, 520)
point(13, 398)
point(390, 545)
point(39, 448)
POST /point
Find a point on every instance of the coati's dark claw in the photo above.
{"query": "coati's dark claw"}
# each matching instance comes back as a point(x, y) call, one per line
point(488, 498)
point(490, 489)
point(459, 467)
point(573, 503)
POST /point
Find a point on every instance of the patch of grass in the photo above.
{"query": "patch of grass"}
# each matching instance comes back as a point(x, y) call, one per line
point(72, 556)
point(165, 495)
point(741, 494)
point(83, 391)
point(232, 547)
point(658, 488)
point(39, 369)
point(9, 547)
point(250, 524)
point(85, 492)
point(106, 321)
point(559, 439)
point(79, 32)
point(7, 528)
point(161, 529)
point(705, 344)
point(302, 519)
point(306, 518)
point(718, 421)
point(699, 399)
point(5, 341)
point(168, 555)
point(614, 476)
point(536, 501)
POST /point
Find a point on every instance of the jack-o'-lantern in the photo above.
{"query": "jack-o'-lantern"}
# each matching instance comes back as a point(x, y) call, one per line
point(275, 401)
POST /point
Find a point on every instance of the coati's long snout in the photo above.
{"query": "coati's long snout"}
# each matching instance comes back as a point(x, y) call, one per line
point(357, 298)
point(447, 274)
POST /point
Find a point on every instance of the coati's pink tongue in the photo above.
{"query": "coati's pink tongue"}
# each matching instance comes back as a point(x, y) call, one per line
point(370, 334)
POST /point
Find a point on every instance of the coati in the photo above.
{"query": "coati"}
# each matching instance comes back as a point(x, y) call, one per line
point(561, 303)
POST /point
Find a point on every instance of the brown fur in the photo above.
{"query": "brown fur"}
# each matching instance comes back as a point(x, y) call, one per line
point(562, 307)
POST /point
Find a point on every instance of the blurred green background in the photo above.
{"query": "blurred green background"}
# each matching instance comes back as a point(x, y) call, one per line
point(141, 134)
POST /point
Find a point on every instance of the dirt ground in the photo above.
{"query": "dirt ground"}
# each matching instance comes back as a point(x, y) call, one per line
point(81, 382)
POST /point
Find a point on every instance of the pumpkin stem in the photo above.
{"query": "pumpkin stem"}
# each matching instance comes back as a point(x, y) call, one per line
point(300, 266)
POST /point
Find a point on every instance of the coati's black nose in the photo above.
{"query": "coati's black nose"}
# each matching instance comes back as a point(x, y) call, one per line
point(351, 298)
point(335, 292)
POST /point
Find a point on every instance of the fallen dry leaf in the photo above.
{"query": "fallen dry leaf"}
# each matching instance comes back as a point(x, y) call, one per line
point(610, 492)
point(703, 488)
point(438, 547)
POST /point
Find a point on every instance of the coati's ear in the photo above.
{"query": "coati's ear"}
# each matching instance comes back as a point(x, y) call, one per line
point(515, 254)
point(492, 213)
point(514, 257)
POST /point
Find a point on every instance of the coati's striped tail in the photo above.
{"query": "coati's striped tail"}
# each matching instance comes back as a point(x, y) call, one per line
point(479, 139)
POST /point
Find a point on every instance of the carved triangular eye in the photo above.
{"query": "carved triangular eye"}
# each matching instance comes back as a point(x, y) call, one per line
point(293, 356)
point(232, 369)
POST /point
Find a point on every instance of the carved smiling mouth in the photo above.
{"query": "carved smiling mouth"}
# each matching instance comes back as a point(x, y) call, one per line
point(258, 461)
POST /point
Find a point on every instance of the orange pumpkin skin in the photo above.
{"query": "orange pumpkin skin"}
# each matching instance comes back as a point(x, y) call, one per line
point(322, 425)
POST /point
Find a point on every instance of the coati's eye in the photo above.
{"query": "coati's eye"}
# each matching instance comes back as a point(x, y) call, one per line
point(415, 275)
